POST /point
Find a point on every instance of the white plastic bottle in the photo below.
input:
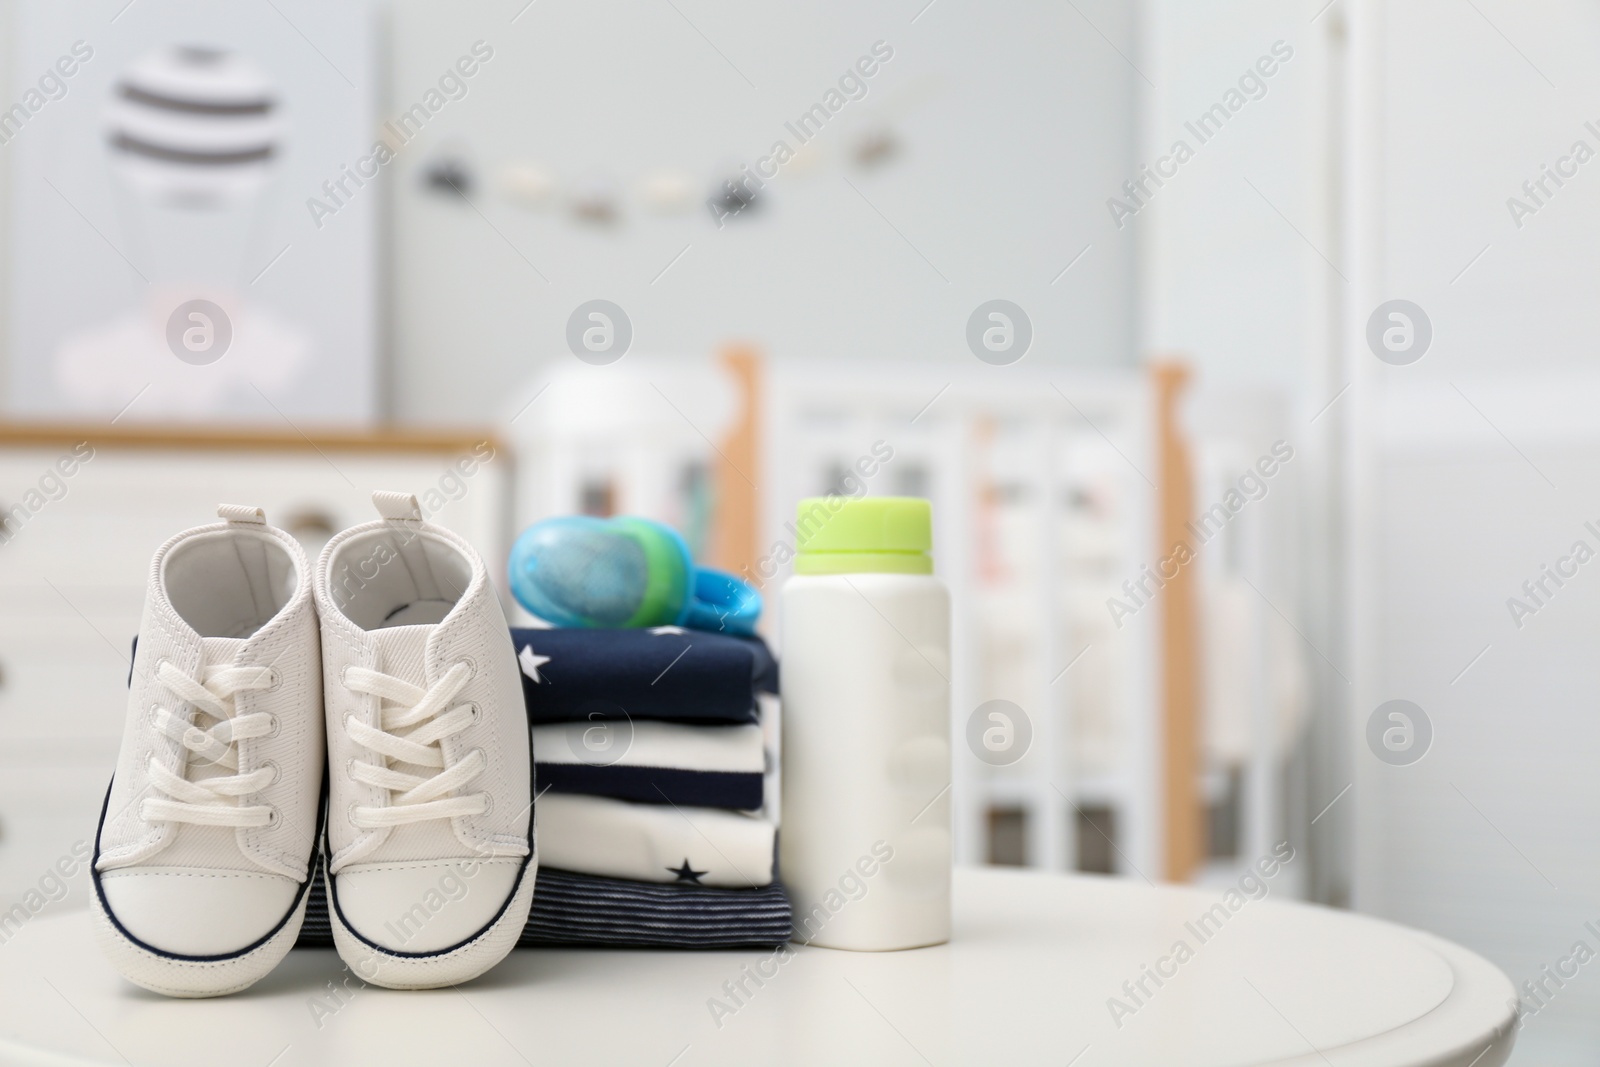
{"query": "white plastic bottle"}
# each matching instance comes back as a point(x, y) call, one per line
point(865, 667)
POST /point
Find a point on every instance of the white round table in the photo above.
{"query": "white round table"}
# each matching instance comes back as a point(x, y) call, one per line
point(1029, 978)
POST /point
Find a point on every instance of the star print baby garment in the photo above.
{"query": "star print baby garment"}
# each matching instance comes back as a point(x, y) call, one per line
point(667, 673)
point(653, 762)
point(655, 842)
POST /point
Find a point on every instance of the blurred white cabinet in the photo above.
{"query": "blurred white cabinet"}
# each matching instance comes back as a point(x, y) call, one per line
point(85, 508)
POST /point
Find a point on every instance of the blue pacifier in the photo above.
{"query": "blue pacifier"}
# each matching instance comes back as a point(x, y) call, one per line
point(624, 573)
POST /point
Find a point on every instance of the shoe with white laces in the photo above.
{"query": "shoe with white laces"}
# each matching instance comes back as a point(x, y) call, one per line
point(431, 859)
point(205, 844)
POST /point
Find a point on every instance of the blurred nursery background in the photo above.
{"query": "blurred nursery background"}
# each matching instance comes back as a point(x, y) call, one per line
point(1243, 348)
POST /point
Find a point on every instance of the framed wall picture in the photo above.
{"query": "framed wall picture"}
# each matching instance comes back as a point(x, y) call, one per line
point(165, 261)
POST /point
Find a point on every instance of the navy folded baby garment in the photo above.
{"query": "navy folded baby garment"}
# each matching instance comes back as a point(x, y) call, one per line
point(664, 673)
point(654, 762)
point(581, 909)
point(655, 785)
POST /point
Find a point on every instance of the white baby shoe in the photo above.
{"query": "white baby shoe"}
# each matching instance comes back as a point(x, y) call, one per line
point(205, 843)
point(431, 861)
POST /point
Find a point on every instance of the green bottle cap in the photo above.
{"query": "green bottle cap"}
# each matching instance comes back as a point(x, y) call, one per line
point(872, 535)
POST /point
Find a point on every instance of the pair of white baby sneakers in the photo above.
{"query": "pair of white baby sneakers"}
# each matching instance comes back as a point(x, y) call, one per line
point(369, 714)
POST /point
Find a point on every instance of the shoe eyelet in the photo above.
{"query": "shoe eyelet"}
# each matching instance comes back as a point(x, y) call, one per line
point(477, 714)
point(471, 665)
point(350, 768)
point(277, 773)
point(152, 715)
point(274, 817)
point(350, 814)
point(277, 726)
point(277, 681)
point(488, 804)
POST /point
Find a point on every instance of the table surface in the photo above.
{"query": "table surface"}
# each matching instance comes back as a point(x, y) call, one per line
point(1029, 977)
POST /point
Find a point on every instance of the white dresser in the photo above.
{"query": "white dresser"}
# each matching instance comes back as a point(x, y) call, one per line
point(84, 509)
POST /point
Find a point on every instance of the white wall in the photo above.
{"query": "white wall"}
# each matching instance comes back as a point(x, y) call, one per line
point(1014, 121)
point(1226, 279)
point(1476, 466)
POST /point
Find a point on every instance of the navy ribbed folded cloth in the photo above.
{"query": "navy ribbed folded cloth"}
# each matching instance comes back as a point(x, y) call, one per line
point(584, 909)
point(667, 673)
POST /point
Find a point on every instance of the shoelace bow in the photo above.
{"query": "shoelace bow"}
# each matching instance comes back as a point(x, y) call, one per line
point(427, 718)
point(211, 801)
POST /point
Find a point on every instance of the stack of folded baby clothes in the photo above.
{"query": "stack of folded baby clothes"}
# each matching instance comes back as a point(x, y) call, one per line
point(656, 812)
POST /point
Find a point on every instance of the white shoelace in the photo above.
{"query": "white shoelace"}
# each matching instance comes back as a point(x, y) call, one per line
point(414, 797)
point(211, 801)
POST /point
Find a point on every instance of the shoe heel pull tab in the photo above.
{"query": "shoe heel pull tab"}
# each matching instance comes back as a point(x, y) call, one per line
point(241, 513)
point(402, 507)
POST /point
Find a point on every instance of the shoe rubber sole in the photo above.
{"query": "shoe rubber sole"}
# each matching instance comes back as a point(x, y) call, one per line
point(432, 970)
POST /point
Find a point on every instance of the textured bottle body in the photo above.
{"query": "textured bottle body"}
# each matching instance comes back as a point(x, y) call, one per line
point(865, 845)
